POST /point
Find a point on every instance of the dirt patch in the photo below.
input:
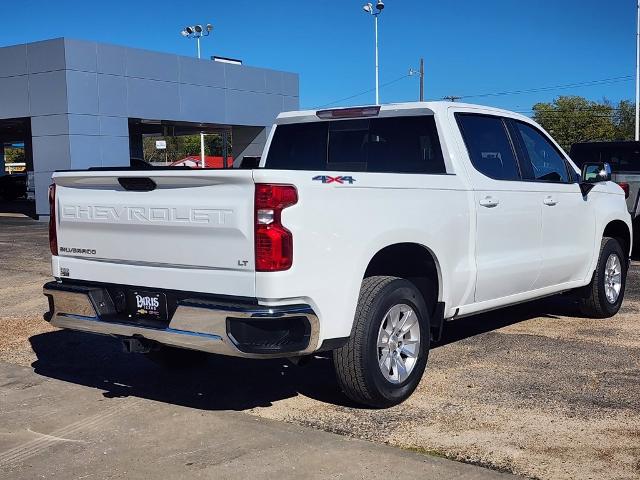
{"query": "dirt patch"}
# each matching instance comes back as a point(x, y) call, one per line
point(14, 338)
point(24, 267)
point(534, 389)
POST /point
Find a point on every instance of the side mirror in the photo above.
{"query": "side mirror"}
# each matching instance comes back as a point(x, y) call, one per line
point(592, 173)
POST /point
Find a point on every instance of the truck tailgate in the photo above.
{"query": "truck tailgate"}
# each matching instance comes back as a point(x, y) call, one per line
point(183, 220)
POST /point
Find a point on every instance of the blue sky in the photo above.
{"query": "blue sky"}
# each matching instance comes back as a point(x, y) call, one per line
point(470, 47)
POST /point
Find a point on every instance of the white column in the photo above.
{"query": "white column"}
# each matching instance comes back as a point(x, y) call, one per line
point(202, 165)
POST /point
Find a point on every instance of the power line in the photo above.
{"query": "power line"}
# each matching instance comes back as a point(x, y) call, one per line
point(364, 93)
point(603, 81)
point(571, 115)
point(612, 111)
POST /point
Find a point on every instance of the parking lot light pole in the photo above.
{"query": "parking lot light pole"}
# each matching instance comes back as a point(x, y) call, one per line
point(374, 13)
point(197, 32)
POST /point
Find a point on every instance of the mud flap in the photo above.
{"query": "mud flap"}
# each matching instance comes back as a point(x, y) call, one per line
point(437, 322)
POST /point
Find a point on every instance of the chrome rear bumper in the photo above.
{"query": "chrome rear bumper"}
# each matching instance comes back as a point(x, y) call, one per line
point(197, 323)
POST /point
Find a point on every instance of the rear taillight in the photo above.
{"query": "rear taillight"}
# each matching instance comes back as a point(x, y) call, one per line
point(274, 243)
point(53, 235)
point(625, 187)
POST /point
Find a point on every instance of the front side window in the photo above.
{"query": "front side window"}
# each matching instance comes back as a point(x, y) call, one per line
point(489, 146)
point(545, 163)
point(390, 145)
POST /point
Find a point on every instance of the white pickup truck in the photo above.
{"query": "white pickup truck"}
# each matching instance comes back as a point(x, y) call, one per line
point(362, 231)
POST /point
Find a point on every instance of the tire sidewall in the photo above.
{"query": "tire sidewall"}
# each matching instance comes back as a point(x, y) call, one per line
point(611, 246)
point(399, 291)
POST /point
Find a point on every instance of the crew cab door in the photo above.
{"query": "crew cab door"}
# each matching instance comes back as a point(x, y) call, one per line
point(568, 219)
point(508, 215)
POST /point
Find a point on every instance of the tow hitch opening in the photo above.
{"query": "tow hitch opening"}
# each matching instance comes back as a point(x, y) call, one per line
point(139, 345)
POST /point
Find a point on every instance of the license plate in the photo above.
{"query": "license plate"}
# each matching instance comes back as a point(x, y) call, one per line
point(147, 305)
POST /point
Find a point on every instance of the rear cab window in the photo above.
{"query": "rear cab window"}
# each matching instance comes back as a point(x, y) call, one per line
point(407, 144)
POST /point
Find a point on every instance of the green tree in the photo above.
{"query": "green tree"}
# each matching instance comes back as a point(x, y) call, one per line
point(572, 119)
point(624, 120)
point(14, 155)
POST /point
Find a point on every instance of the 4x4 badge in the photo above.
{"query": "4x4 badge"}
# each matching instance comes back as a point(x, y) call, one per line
point(339, 179)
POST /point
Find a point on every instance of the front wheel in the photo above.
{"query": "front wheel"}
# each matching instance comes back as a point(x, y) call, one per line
point(385, 357)
point(603, 297)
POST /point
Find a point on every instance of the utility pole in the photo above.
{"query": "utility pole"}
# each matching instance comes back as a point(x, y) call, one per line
point(638, 73)
point(420, 72)
point(422, 78)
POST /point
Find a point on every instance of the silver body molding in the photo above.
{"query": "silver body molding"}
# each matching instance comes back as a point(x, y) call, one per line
point(195, 325)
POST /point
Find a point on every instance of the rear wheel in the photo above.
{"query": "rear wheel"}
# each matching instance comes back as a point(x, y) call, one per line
point(603, 297)
point(385, 357)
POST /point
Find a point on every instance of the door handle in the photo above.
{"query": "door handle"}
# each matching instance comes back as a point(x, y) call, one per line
point(489, 201)
point(550, 201)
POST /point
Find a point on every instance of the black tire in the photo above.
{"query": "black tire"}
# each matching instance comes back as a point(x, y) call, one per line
point(176, 358)
point(357, 369)
point(593, 299)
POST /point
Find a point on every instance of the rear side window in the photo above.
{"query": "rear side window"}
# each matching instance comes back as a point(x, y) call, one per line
point(544, 161)
point(489, 145)
point(393, 145)
point(298, 146)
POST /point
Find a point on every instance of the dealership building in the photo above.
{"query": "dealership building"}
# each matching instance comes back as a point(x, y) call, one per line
point(79, 104)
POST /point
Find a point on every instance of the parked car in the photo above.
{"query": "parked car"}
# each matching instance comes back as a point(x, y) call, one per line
point(624, 158)
point(13, 186)
point(363, 231)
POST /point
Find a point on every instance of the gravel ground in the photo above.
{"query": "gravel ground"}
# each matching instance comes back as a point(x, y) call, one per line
point(24, 268)
point(533, 389)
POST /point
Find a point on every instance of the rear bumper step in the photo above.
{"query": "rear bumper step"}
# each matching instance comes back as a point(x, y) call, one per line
point(240, 329)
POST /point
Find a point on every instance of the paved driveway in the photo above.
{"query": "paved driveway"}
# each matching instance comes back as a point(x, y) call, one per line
point(55, 429)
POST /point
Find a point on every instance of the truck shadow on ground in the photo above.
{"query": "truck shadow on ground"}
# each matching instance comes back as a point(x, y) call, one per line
point(224, 383)
point(18, 208)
